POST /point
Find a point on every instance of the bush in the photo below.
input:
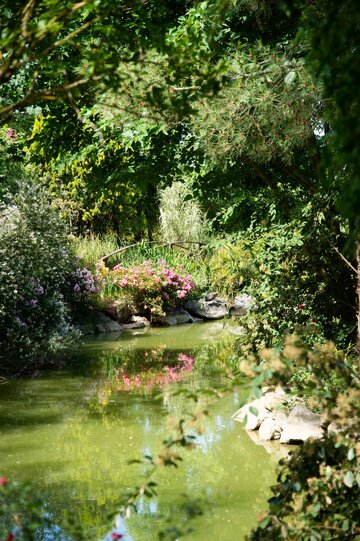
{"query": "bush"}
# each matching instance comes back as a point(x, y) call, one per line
point(151, 286)
point(40, 280)
point(23, 514)
point(318, 486)
point(295, 281)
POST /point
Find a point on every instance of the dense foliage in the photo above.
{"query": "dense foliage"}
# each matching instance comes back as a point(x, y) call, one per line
point(235, 123)
point(318, 486)
point(40, 280)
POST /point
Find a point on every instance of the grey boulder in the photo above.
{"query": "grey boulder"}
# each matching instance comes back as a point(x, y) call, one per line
point(207, 309)
point(241, 305)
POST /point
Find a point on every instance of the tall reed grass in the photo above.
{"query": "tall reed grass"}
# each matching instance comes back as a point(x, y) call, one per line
point(181, 217)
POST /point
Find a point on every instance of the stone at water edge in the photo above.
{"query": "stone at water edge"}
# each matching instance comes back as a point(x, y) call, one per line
point(274, 401)
point(212, 309)
point(118, 310)
point(301, 425)
point(241, 305)
point(252, 421)
point(135, 322)
point(269, 430)
point(300, 413)
point(211, 296)
point(104, 324)
point(300, 432)
point(97, 323)
point(178, 316)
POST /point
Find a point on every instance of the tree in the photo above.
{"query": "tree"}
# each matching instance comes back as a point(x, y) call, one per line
point(51, 50)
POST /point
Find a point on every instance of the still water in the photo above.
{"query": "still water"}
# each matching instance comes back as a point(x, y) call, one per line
point(72, 433)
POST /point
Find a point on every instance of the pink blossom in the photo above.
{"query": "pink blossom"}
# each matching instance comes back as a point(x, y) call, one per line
point(181, 293)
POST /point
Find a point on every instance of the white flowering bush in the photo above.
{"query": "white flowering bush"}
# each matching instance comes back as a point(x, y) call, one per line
point(40, 279)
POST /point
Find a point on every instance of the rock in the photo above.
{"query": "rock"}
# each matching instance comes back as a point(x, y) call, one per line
point(175, 317)
point(118, 310)
point(300, 413)
point(207, 309)
point(279, 416)
point(241, 305)
point(135, 322)
point(211, 296)
point(95, 323)
point(167, 320)
point(301, 425)
point(274, 401)
point(269, 430)
point(104, 323)
point(182, 316)
point(253, 421)
point(300, 432)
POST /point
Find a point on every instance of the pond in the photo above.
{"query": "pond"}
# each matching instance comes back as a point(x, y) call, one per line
point(72, 433)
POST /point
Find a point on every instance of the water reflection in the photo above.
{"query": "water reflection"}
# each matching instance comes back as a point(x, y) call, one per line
point(73, 433)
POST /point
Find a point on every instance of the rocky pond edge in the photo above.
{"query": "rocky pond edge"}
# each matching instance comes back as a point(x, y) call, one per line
point(279, 416)
point(117, 317)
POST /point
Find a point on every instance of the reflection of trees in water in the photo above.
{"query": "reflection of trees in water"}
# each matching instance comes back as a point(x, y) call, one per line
point(106, 427)
point(145, 371)
point(114, 425)
point(97, 448)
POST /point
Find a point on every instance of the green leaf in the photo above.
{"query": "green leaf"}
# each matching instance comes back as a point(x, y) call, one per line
point(290, 78)
point(253, 410)
point(351, 453)
point(349, 479)
point(257, 392)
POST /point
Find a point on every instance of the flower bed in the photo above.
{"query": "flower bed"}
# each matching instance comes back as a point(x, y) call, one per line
point(152, 286)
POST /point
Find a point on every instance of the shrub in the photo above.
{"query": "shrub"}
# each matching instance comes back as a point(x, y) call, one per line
point(39, 279)
point(151, 286)
point(318, 486)
point(295, 281)
point(22, 513)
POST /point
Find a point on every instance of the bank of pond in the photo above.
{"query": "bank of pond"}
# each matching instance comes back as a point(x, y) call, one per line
point(73, 431)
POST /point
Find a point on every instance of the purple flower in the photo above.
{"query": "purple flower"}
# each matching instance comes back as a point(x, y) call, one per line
point(77, 288)
point(20, 322)
point(39, 290)
point(33, 302)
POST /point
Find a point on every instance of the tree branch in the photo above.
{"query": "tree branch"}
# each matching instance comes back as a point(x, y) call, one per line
point(344, 259)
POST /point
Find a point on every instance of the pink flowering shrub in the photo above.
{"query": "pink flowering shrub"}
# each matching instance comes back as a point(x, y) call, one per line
point(152, 286)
